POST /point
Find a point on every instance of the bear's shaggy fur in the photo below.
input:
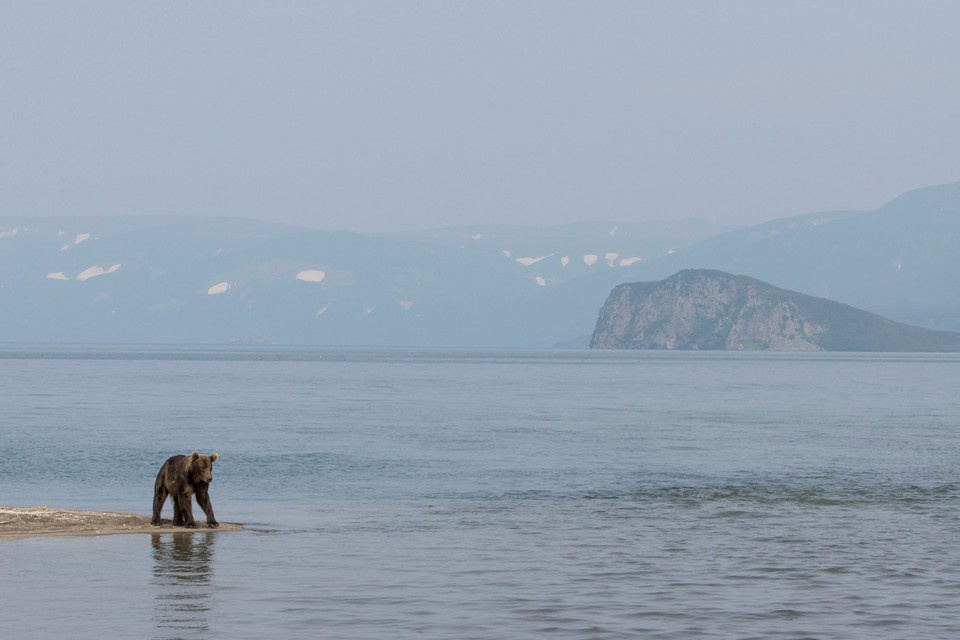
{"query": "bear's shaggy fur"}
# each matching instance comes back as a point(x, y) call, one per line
point(181, 477)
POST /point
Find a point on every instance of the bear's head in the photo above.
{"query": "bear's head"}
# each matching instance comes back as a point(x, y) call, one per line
point(201, 466)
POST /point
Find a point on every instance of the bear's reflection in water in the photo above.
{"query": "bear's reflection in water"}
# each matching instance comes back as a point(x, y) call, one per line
point(182, 577)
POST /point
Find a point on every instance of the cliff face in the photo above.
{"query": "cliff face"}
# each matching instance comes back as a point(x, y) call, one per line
point(701, 309)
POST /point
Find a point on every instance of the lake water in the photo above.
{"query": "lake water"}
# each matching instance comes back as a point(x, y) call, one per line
point(484, 494)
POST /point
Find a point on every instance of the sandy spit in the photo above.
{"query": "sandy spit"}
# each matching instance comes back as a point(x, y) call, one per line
point(21, 522)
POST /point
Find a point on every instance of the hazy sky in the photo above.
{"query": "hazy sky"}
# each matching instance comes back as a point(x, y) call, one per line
point(401, 115)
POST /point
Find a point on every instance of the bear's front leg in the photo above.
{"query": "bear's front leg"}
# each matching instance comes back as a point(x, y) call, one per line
point(203, 499)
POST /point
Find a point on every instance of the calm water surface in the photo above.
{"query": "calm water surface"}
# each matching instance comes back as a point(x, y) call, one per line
point(482, 494)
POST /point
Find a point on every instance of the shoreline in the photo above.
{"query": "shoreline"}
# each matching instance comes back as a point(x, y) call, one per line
point(27, 522)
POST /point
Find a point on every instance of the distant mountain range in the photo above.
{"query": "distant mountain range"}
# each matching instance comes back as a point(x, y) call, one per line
point(901, 261)
point(221, 280)
point(703, 309)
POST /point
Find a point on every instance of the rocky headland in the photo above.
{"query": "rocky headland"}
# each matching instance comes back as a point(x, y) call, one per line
point(706, 309)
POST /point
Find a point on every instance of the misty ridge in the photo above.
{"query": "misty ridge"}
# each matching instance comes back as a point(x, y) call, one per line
point(218, 280)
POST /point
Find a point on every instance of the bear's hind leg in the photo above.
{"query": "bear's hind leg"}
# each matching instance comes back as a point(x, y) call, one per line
point(186, 511)
point(159, 497)
point(177, 511)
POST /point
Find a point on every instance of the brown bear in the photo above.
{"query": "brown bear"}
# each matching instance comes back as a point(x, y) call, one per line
point(181, 477)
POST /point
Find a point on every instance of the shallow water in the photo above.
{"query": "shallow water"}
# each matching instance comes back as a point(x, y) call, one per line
point(479, 494)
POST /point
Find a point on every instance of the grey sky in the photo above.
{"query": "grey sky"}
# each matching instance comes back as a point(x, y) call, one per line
point(400, 115)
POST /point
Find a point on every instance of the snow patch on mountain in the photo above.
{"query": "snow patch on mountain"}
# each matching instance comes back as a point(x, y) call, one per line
point(94, 271)
point(530, 260)
point(311, 275)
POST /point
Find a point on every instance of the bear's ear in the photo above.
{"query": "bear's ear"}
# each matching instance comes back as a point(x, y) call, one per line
point(194, 456)
point(214, 456)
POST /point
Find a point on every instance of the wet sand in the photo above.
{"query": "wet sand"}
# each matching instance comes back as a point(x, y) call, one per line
point(22, 522)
